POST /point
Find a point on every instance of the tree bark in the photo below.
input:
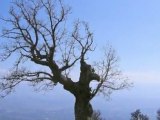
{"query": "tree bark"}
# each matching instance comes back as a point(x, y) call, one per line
point(83, 109)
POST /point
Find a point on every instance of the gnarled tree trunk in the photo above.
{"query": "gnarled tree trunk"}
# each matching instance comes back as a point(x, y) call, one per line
point(83, 109)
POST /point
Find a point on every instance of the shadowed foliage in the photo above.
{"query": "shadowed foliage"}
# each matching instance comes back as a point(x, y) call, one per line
point(137, 115)
point(158, 114)
point(97, 116)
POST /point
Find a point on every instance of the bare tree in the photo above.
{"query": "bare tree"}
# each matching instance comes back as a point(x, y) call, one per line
point(36, 32)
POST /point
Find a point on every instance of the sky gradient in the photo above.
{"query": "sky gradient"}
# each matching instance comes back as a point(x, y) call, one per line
point(133, 29)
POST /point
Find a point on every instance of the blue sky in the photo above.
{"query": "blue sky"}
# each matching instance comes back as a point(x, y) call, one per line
point(132, 27)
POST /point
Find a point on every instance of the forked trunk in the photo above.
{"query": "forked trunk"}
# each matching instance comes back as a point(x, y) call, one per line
point(83, 109)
